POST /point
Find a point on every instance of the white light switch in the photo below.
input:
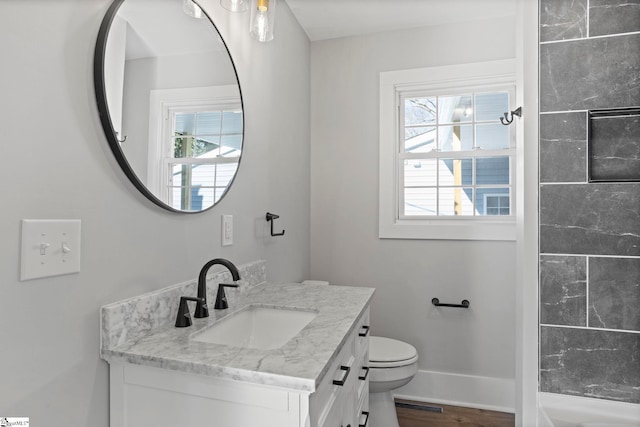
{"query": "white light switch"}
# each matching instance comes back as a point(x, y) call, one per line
point(49, 248)
point(227, 230)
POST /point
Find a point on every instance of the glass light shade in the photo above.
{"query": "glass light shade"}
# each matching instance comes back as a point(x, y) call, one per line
point(192, 9)
point(262, 19)
point(235, 5)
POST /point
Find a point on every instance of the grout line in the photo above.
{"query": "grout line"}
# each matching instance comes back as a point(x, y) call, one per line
point(586, 291)
point(591, 255)
point(563, 112)
point(590, 182)
point(565, 183)
point(588, 152)
point(627, 331)
point(630, 33)
point(588, 16)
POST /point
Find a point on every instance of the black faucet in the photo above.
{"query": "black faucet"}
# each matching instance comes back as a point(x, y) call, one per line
point(221, 298)
point(183, 319)
point(201, 307)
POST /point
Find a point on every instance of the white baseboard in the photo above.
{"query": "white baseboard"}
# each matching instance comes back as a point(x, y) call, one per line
point(494, 394)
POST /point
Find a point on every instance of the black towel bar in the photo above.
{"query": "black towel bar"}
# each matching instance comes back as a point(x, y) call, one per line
point(437, 303)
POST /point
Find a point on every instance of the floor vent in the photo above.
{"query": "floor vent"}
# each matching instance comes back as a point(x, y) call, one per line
point(419, 407)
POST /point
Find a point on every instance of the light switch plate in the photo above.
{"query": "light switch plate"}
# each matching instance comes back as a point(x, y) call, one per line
point(49, 248)
point(227, 230)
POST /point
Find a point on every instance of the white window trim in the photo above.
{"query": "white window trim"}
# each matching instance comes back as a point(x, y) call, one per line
point(160, 102)
point(435, 79)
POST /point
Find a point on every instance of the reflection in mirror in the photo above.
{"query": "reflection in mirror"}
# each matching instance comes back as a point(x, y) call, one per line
point(170, 102)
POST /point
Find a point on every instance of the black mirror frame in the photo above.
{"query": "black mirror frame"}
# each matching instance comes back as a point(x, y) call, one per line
point(105, 117)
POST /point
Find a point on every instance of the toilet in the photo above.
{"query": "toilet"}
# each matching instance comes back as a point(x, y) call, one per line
point(392, 364)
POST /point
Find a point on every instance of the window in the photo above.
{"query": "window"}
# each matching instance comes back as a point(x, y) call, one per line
point(447, 164)
point(201, 132)
point(205, 151)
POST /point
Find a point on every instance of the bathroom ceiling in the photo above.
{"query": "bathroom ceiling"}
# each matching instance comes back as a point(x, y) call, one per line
point(327, 19)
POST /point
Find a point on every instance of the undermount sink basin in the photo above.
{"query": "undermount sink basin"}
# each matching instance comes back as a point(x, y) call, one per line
point(257, 327)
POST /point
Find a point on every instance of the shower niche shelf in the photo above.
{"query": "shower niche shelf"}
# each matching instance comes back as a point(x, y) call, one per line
point(614, 145)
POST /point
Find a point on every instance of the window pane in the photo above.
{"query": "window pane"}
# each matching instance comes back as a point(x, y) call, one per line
point(225, 173)
point(208, 123)
point(183, 147)
point(455, 138)
point(195, 187)
point(455, 172)
point(420, 173)
point(419, 139)
point(232, 122)
point(198, 199)
point(493, 136)
point(455, 201)
point(491, 106)
point(231, 145)
point(455, 109)
point(419, 111)
point(420, 201)
point(185, 123)
point(492, 170)
point(493, 201)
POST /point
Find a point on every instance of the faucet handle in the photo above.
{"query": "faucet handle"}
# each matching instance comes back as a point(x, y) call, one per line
point(183, 319)
point(221, 298)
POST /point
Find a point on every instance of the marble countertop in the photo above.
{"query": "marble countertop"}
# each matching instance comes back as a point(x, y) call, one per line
point(300, 364)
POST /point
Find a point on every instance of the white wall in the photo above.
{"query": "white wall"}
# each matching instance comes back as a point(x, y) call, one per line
point(58, 165)
point(345, 249)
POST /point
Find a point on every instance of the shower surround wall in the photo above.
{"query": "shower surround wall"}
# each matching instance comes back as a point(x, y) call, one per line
point(589, 232)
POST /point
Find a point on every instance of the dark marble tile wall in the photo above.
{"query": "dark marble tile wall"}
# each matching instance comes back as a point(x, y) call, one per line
point(563, 147)
point(596, 219)
point(589, 232)
point(563, 290)
point(590, 362)
point(614, 294)
point(614, 147)
point(590, 73)
point(613, 17)
point(563, 20)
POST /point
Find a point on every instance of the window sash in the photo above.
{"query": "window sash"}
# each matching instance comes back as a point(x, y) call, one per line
point(475, 153)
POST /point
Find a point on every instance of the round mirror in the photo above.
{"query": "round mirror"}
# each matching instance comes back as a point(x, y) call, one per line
point(169, 101)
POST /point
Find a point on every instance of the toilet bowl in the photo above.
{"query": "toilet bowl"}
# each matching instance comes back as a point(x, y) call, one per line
point(392, 364)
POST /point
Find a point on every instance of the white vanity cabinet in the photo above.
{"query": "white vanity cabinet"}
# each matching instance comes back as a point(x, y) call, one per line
point(150, 396)
point(342, 398)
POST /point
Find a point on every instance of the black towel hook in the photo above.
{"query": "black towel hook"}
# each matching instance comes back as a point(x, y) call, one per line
point(506, 120)
point(120, 140)
point(270, 218)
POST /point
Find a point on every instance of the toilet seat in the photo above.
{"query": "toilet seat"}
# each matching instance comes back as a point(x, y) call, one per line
point(390, 353)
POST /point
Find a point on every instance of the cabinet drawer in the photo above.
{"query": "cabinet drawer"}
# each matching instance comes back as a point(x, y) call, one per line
point(339, 381)
point(363, 375)
point(363, 409)
point(363, 331)
point(341, 393)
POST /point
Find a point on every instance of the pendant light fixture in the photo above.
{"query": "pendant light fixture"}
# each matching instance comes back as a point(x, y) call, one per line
point(235, 5)
point(192, 9)
point(262, 19)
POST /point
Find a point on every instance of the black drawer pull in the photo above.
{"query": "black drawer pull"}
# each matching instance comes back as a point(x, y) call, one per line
point(366, 373)
point(365, 332)
point(346, 370)
point(366, 420)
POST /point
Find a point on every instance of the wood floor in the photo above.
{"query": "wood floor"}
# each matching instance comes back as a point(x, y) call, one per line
point(450, 416)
